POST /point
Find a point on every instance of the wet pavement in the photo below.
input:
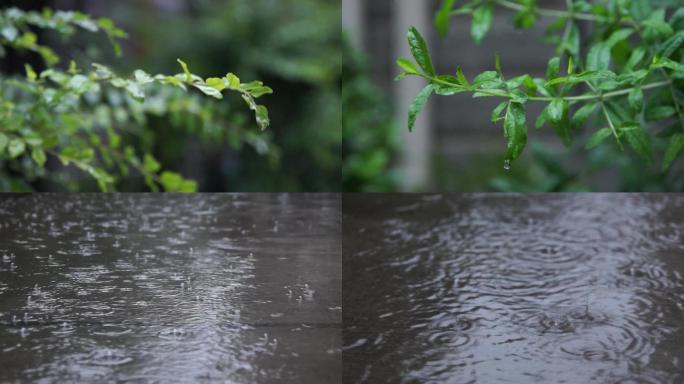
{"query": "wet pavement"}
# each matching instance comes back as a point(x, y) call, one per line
point(572, 288)
point(170, 288)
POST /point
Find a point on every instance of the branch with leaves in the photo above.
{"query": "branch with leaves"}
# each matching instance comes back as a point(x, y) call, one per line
point(72, 114)
point(630, 78)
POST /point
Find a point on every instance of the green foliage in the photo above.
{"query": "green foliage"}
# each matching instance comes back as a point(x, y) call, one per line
point(75, 115)
point(294, 46)
point(370, 135)
point(627, 82)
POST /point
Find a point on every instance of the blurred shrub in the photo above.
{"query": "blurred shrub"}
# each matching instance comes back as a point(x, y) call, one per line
point(370, 136)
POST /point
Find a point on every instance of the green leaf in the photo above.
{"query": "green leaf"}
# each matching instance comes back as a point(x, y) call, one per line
point(674, 148)
point(420, 51)
point(482, 22)
point(461, 77)
point(487, 79)
point(635, 58)
point(78, 83)
point(541, 119)
point(188, 75)
point(444, 89)
point(216, 83)
point(30, 73)
point(572, 43)
point(262, 117)
point(407, 66)
point(33, 139)
point(173, 182)
point(418, 104)
point(150, 163)
point(655, 26)
point(442, 17)
point(598, 57)
point(515, 130)
point(38, 156)
point(496, 114)
point(553, 68)
point(671, 45)
point(233, 81)
point(188, 186)
point(525, 18)
point(209, 91)
point(618, 36)
point(598, 137)
point(582, 115)
point(659, 112)
point(667, 63)
point(142, 77)
point(9, 32)
point(555, 110)
point(638, 139)
point(135, 91)
point(636, 99)
point(16, 148)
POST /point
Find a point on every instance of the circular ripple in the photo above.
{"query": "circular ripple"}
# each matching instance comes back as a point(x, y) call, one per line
point(112, 330)
point(107, 357)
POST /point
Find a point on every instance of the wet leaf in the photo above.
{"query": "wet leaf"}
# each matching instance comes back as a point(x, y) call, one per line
point(598, 137)
point(638, 139)
point(420, 51)
point(582, 115)
point(675, 146)
point(515, 130)
point(418, 104)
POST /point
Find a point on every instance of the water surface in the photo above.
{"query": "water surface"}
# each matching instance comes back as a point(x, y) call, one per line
point(170, 288)
point(513, 289)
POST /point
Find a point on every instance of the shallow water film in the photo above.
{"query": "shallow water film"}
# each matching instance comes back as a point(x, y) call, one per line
point(170, 288)
point(513, 289)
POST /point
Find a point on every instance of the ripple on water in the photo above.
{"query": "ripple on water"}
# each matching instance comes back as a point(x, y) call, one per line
point(111, 330)
point(542, 284)
point(107, 357)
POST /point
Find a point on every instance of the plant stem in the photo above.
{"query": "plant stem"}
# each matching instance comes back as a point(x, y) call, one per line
point(610, 121)
point(588, 96)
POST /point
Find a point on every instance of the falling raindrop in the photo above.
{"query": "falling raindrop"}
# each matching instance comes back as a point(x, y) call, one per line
point(507, 164)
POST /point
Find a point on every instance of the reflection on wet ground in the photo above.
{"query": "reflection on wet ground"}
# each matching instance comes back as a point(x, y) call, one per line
point(170, 288)
point(513, 289)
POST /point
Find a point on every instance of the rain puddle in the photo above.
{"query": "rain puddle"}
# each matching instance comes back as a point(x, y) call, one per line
point(170, 288)
point(513, 289)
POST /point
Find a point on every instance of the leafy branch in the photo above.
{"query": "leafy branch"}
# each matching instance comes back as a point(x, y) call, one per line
point(16, 32)
point(73, 114)
point(613, 76)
